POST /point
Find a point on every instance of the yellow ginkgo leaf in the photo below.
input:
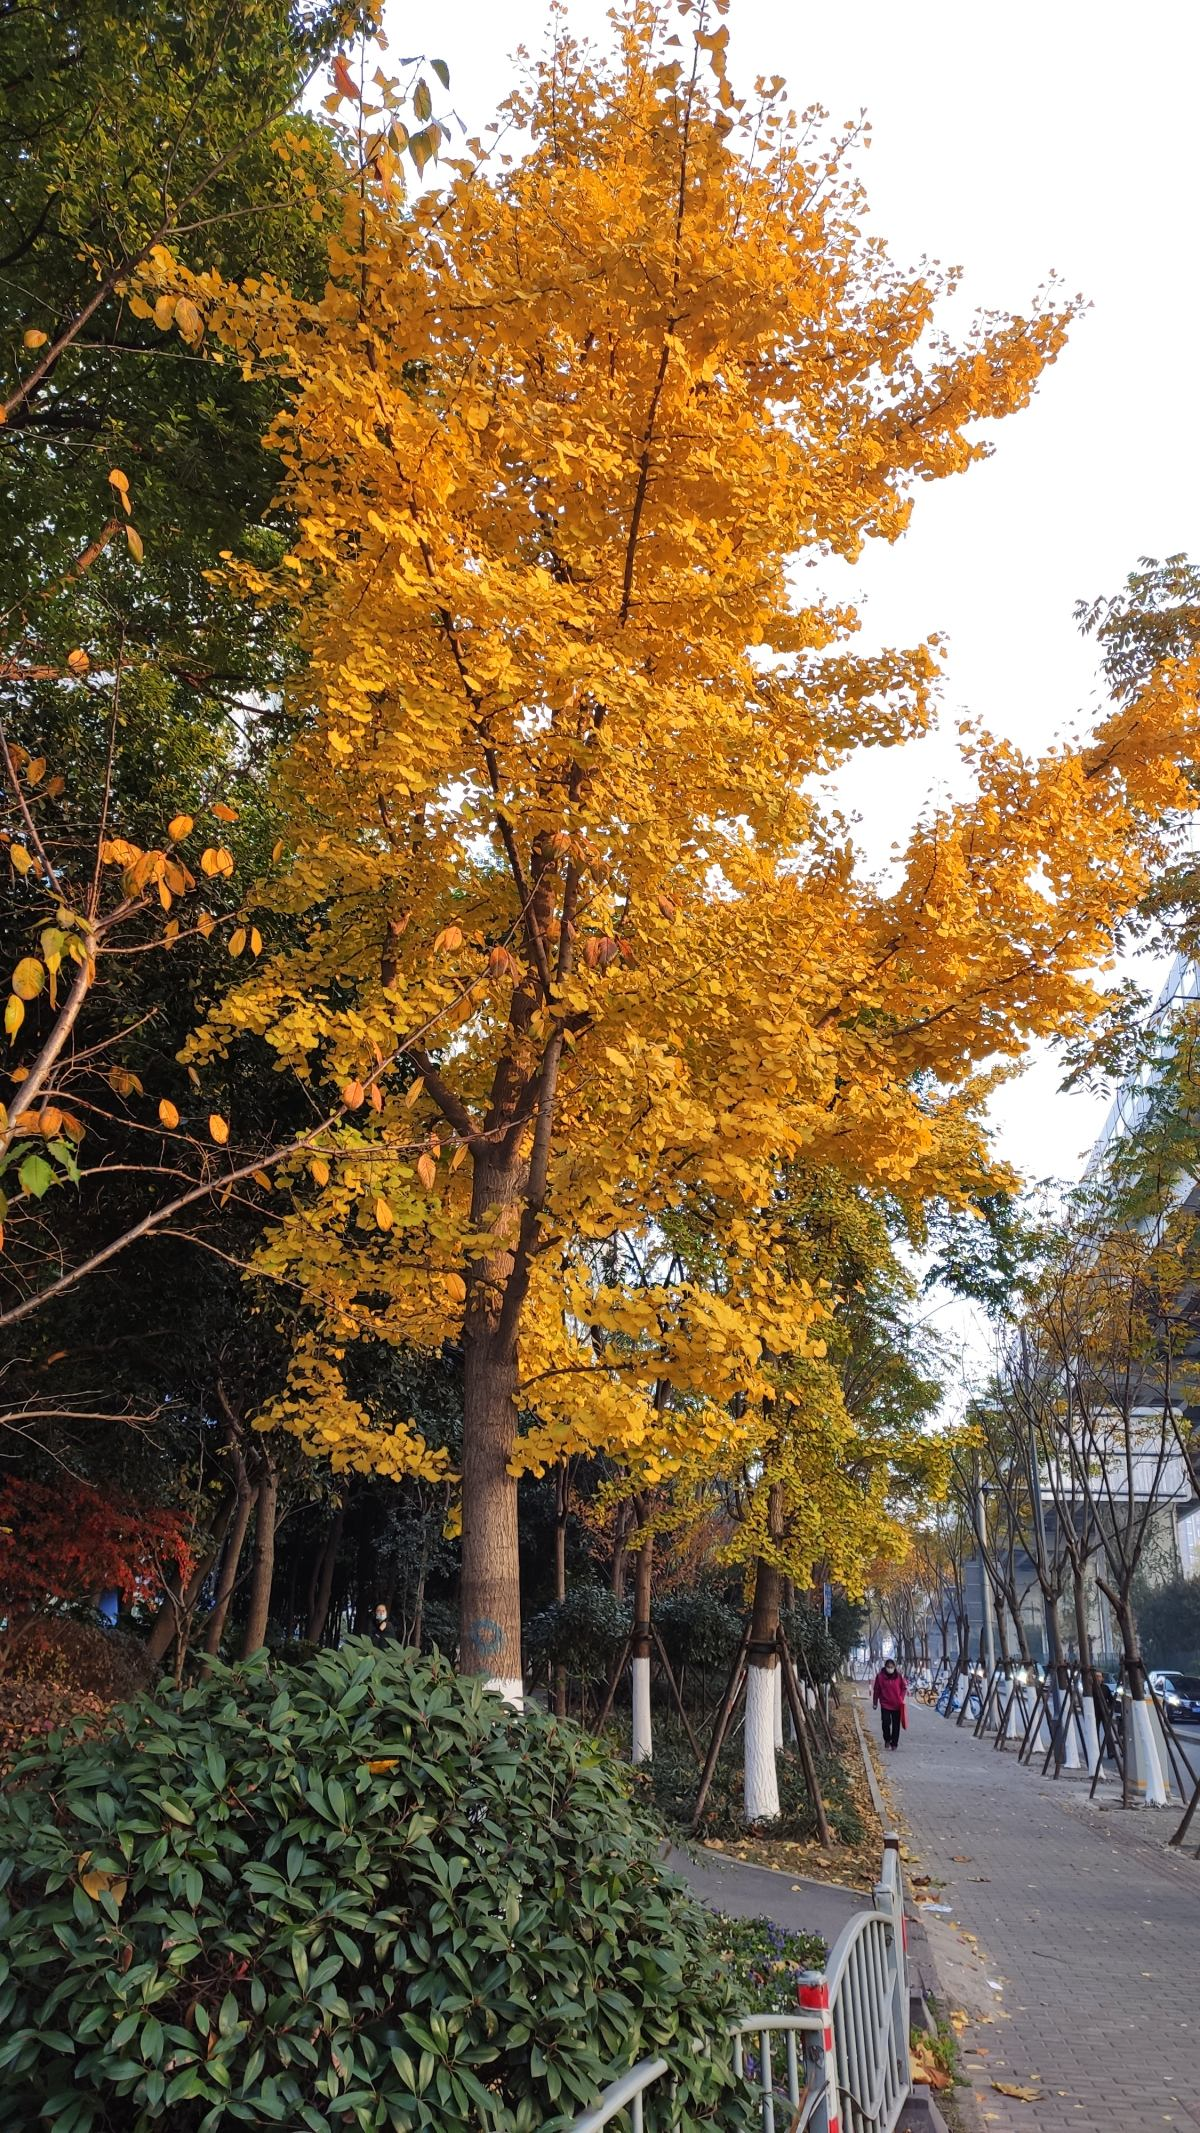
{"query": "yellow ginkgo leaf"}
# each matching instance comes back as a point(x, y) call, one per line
point(319, 1170)
point(188, 319)
point(383, 1214)
point(237, 940)
point(14, 1015)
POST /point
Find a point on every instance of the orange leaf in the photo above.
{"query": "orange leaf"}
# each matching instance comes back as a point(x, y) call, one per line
point(224, 813)
point(352, 1095)
point(168, 1114)
point(383, 1213)
point(179, 827)
point(426, 1171)
point(344, 80)
point(218, 1128)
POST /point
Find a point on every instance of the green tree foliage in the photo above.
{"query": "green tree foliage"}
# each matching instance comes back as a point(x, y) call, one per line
point(358, 1892)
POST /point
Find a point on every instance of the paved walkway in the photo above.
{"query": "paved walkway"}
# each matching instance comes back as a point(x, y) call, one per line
point(744, 1891)
point(1073, 1939)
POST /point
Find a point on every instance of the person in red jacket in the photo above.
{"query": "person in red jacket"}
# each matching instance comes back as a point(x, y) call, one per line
point(888, 1694)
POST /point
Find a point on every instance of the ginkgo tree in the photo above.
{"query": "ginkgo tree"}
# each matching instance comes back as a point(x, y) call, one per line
point(552, 442)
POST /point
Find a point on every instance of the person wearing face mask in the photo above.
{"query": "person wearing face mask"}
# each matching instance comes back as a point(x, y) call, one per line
point(382, 1633)
point(888, 1696)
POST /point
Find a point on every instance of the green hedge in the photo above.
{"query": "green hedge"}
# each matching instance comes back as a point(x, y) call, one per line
point(225, 1912)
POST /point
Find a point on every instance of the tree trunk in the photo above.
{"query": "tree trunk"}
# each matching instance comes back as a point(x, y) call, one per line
point(1146, 1781)
point(243, 1506)
point(490, 1584)
point(761, 1777)
point(643, 1741)
point(620, 1559)
point(318, 1613)
point(262, 1570)
point(1087, 1672)
point(177, 1604)
point(562, 1501)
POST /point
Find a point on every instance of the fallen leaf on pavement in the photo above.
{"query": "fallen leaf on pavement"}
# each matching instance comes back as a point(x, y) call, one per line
point(925, 2067)
point(1013, 2088)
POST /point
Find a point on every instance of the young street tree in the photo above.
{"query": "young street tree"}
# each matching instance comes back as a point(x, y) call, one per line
point(554, 438)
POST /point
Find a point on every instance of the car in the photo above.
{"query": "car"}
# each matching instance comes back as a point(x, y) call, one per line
point(1179, 1694)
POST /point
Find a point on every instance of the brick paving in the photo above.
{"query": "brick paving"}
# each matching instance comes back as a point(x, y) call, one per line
point(1073, 1940)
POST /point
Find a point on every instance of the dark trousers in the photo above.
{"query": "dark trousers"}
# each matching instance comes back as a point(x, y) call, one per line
point(891, 1727)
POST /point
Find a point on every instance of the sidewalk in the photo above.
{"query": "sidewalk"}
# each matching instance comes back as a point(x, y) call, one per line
point(1073, 1940)
point(744, 1891)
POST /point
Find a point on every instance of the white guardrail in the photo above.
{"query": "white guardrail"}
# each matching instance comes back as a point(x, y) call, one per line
point(838, 2065)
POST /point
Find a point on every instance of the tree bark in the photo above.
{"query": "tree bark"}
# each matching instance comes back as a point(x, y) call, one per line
point(262, 1569)
point(318, 1613)
point(620, 1559)
point(490, 1585)
point(1087, 1672)
point(177, 1604)
point(761, 1777)
point(562, 1500)
point(640, 1649)
point(231, 1562)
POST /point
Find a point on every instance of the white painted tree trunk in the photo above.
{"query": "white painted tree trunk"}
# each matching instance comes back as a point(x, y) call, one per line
point(777, 1678)
point(643, 1745)
point(1091, 1733)
point(1072, 1759)
point(1148, 1783)
point(512, 1688)
point(761, 1776)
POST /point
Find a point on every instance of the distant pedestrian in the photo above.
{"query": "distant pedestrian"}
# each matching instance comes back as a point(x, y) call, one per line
point(888, 1694)
point(382, 1633)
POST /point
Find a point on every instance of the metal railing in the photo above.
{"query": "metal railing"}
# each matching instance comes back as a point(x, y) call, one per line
point(844, 2053)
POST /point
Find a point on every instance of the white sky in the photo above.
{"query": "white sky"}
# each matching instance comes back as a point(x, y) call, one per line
point(1047, 134)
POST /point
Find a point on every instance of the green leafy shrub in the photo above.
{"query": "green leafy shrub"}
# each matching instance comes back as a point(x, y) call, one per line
point(698, 1628)
point(359, 1893)
point(810, 1638)
point(583, 1632)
